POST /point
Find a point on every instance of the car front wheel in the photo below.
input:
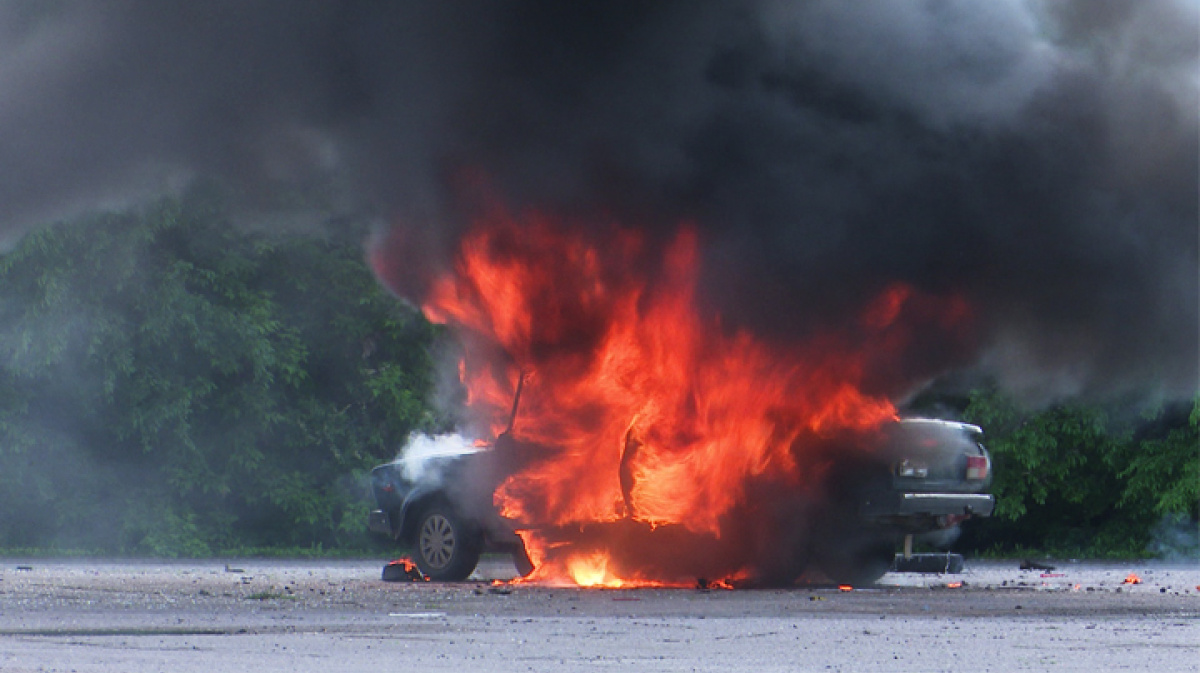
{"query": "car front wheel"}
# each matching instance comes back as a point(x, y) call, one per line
point(447, 547)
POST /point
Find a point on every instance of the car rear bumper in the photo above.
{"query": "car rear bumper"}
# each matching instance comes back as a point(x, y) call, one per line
point(930, 504)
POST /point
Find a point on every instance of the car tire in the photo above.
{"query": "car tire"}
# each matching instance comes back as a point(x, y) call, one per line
point(447, 547)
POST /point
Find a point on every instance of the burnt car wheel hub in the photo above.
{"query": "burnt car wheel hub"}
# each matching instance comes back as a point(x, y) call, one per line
point(437, 541)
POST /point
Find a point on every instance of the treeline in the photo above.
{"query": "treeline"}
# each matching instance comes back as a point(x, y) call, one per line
point(1115, 479)
point(174, 384)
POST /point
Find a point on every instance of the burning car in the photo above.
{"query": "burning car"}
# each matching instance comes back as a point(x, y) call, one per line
point(927, 477)
point(658, 444)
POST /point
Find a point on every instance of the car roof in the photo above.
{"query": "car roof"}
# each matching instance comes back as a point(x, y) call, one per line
point(937, 422)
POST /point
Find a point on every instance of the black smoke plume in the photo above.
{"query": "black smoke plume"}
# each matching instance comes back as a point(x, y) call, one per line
point(1038, 156)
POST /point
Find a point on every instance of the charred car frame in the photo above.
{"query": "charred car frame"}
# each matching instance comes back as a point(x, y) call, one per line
point(929, 476)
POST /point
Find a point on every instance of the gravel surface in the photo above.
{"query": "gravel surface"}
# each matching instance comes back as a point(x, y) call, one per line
point(262, 616)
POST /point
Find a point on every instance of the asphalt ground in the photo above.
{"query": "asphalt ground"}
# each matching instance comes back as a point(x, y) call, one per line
point(330, 616)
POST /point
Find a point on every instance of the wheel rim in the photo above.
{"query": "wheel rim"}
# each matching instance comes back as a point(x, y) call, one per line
point(437, 540)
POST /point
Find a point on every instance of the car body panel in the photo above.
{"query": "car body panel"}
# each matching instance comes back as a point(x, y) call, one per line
point(915, 483)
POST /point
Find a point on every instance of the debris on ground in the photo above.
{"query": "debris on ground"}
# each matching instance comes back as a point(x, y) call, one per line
point(402, 570)
point(941, 564)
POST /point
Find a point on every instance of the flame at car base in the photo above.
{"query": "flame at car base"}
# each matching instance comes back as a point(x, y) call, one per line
point(653, 445)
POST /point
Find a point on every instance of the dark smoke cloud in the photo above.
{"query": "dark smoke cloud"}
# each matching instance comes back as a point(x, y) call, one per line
point(1040, 157)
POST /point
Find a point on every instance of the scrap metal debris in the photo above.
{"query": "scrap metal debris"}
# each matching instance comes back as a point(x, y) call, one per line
point(402, 570)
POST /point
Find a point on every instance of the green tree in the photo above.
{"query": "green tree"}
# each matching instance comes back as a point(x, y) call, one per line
point(1161, 473)
point(1071, 480)
point(171, 383)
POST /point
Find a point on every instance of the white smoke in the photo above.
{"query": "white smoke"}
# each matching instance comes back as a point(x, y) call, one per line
point(417, 459)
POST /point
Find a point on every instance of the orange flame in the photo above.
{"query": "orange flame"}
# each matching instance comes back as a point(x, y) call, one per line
point(1132, 578)
point(636, 407)
point(408, 570)
point(591, 570)
point(404, 562)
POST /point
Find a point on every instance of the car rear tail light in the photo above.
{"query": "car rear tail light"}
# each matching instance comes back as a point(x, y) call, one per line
point(977, 467)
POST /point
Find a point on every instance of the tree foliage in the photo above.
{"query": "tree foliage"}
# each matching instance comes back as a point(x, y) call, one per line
point(1085, 478)
point(171, 383)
